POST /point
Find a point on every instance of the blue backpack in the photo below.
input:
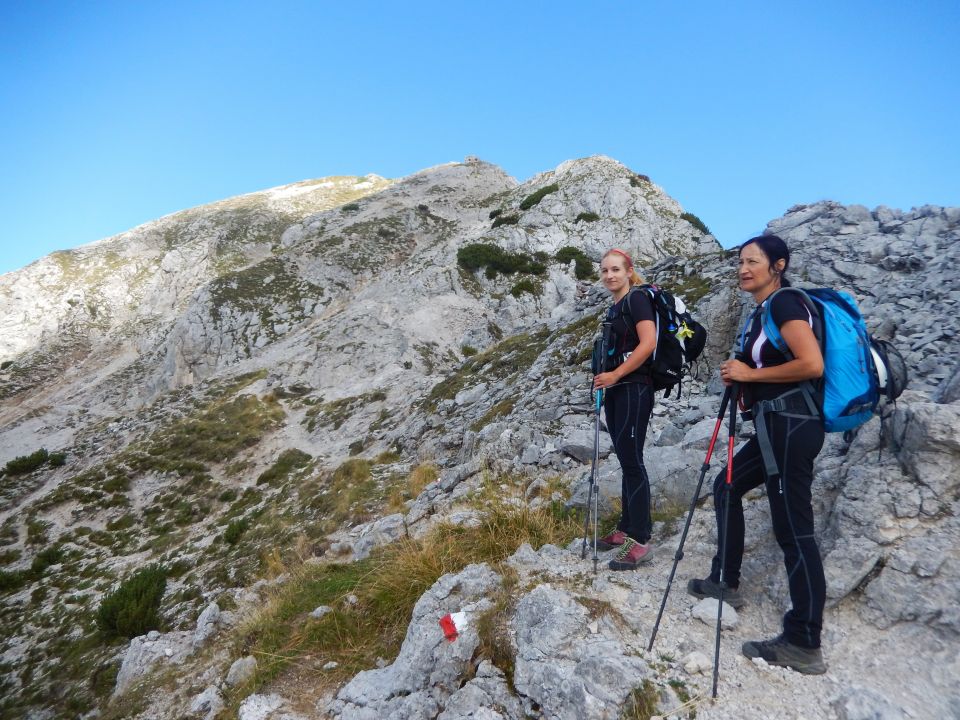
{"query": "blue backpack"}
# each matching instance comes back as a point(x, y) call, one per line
point(857, 369)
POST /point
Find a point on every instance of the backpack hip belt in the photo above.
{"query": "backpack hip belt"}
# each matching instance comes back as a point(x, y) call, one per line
point(795, 403)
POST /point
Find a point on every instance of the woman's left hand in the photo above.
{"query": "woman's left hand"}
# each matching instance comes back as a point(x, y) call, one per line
point(732, 371)
point(605, 380)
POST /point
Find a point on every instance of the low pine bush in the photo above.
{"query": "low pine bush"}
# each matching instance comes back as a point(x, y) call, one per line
point(26, 463)
point(234, 530)
point(289, 460)
point(584, 266)
point(587, 217)
point(525, 286)
point(696, 222)
point(532, 199)
point(497, 260)
point(11, 581)
point(133, 608)
point(45, 558)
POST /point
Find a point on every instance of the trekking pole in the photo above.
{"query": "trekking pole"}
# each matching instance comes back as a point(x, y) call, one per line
point(598, 394)
point(734, 396)
point(678, 556)
point(595, 484)
point(593, 498)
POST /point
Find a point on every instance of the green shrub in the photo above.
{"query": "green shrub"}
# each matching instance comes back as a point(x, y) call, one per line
point(356, 447)
point(351, 207)
point(638, 179)
point(494, 213)
point(5, 364)
point(525, 286)
point(26, 463)
point(468, 350)
point(37, 531)
point(121, 523)
point(505, 220)
point(497, 260)
point(58, 459)
point(289, 460)
point(11, 581)
point(584, 266)
point(587, 217)
point(696, 222)
point(534, 198)
point(234, 530)
point(45, 558)
point(133, 608)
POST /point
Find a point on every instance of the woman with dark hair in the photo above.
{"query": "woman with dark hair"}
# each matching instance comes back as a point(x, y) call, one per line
point(628, 402)
point(796, 435)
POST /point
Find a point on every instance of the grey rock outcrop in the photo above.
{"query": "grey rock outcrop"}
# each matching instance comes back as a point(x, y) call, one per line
point(428, 669)
point(562, 669)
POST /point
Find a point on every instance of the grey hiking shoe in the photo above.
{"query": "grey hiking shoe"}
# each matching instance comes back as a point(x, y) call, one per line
point(708, 588)
point(783, 653)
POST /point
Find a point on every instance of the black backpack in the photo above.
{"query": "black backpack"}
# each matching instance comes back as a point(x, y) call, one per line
point(680, 340)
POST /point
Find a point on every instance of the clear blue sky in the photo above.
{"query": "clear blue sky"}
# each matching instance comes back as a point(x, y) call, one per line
point(116, 113)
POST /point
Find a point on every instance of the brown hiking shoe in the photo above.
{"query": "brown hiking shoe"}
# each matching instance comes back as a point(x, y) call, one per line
point(781, 652)
point(632, 554)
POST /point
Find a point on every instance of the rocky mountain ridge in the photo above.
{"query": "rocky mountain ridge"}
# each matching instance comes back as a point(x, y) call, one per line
point(281, 380)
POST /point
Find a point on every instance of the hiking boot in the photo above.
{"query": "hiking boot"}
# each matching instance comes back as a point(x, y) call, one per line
point(783, 653)
point(707, 588)
point(612, 540)
point(631, 555)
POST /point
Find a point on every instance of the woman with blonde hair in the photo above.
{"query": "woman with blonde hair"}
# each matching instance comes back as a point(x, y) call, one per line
point(628, 402)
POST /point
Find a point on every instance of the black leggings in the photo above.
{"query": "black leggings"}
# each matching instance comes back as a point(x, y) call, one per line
point(796, 443)
point(628, 409)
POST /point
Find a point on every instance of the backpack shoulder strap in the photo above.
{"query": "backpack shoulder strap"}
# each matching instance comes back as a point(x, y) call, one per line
point(771, 329)
point(652, 289)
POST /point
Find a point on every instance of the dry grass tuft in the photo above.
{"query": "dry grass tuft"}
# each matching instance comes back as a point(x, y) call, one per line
point(371, 600)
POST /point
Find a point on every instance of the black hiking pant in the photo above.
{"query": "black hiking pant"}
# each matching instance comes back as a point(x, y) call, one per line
point(796, 443)
point(627, 408)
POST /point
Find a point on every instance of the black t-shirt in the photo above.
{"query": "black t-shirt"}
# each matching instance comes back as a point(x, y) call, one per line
point(624, 328)
point(760, 352)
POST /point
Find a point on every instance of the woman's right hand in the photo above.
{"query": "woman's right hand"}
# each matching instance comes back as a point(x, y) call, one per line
point(605, 380)
point(732, 371)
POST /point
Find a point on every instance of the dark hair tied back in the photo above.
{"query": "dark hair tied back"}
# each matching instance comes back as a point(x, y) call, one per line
point(775, 249)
